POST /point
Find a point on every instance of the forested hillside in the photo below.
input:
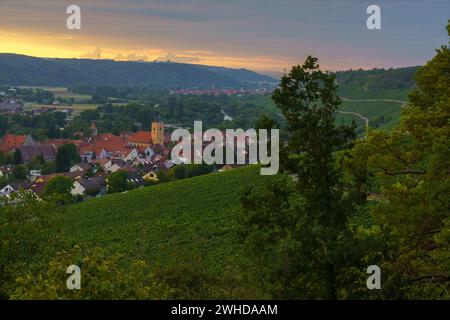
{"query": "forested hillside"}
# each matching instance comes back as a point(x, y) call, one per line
point(22, 70)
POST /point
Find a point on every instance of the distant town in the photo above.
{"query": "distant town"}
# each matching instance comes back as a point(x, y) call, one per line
point(88, 160)
point(228, 92)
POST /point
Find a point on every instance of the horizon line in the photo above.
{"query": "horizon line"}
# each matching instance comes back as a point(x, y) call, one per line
point(263, 72)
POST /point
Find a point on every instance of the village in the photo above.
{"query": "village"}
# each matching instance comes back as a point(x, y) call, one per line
point(28, 162)
point(9, 104)
point(143, 155)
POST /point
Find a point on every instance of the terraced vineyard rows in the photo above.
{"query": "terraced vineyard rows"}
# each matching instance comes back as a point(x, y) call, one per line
point(197, 216)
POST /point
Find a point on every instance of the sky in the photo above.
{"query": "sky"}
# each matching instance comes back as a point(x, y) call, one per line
point(263, 35)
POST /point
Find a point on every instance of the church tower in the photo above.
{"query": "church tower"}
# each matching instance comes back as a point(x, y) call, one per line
point(158, 132)
point(94, 129)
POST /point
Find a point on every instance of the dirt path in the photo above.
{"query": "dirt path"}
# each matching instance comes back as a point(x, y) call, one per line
point(356, 114)
point(365, 119)
point(359, 115)
point(374, 100)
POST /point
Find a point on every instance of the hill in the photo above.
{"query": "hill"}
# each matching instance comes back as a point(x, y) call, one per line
point(19, 70)
point(242, 75)
point(376, 94)
point(398, 78)
point(197, 215)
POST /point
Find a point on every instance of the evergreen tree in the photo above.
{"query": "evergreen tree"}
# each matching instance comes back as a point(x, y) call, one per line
point(298, 227)
point(17, 157)
point(411, 164)
point(66, 157)
point(118, 182)
point(20, 172)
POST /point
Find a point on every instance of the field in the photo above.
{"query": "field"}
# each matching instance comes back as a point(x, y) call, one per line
point(197, 216)
point(76, 96)
point(358, 92)
point(77, 108)
point(382, 115)
point(381, 107)
point(348, 119)
point(61, 92)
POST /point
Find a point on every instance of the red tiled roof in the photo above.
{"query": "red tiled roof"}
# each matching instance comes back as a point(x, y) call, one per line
point(85, 148)
point(141, 137)
point(108, 137)
point(11, 142)
point(109, 142)
point(100, 162)
point(56, 143)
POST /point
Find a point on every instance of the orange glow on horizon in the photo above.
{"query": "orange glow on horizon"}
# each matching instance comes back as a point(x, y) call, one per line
point(50, 45)
point(63, 46)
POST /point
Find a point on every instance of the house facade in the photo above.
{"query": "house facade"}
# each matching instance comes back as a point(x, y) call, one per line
point(89, 186)
point(7, 190)
point(30, 152)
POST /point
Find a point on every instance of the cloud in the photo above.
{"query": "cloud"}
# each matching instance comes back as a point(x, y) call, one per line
point(131, 57)
point(99, 53)
point(96, 54)
point(173, 57)
point(257, 34)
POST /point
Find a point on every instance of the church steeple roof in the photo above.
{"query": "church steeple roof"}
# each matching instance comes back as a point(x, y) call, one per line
point(94, 129)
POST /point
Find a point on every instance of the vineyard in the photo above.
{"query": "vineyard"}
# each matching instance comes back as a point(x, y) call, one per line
point(197, 216)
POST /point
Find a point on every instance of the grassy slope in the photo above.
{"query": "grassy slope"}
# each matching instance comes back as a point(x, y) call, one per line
point(373, 110)
point(390, 110)
point(197, 215)
point(358, 92)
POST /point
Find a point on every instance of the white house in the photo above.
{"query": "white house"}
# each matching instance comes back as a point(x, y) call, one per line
point(34, 174)
point(81, 186)
point(107, 164)
point(7, 190)
point(132, 155)
point(103, 154)
point(114, 168)
point(77, 188)
point(80, 167)
point(141, 161)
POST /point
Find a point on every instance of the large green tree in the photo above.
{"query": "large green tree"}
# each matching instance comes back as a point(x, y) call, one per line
point(17, 157)
point(105, 275)
point(20, 172)
point(66, 156)
point(411, 165)
point(298, 228)
point(59, 188)
point(118, 182)
point(28, 237)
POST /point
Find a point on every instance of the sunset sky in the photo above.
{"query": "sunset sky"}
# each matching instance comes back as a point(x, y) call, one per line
point(257, 34)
